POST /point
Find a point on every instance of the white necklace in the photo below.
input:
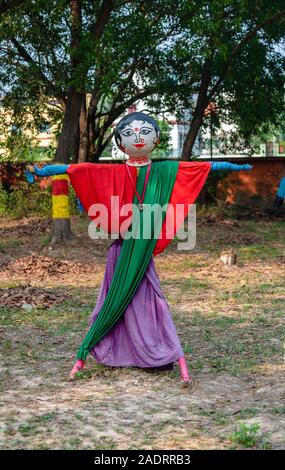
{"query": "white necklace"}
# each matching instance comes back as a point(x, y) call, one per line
point(139, 162)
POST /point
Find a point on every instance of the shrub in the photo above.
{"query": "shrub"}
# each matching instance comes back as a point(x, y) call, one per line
point(30, 199)
point(246, 435)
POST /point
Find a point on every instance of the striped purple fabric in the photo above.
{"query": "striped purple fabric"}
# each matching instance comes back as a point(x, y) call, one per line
point(145, 336)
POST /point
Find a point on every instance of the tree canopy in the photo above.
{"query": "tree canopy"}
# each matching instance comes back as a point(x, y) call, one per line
point(83, 63)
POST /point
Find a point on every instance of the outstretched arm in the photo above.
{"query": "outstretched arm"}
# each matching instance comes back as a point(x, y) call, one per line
point(216, 166)
point(48, 170)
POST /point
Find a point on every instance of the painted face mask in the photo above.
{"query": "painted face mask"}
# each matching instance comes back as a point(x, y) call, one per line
point(137, 135)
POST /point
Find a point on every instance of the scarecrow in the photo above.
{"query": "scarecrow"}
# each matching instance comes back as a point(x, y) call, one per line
point(131, 324)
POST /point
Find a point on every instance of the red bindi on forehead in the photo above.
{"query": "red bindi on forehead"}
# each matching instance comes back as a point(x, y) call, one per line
point(136, 129)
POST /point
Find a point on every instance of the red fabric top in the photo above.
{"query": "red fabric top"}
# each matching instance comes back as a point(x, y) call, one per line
point(96, 183)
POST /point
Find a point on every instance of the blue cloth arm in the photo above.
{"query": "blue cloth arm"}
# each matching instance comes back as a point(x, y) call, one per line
point(281, 189)
point(51, 170)
point(48, 170)
point(216, 166)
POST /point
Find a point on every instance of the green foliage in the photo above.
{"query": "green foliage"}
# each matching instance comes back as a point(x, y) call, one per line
point(147, 50)
point(25, 199)
point(246, 434)
point(16, 148)
point(18, 141)
point(164, 148)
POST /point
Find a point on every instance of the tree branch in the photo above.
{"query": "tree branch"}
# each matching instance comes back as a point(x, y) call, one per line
point(76, 29)
point(6, 5)
point(236, 49)
point(103, 17)
point(29, 59)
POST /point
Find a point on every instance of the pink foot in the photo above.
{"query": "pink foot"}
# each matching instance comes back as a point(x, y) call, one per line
point(184, 370)
point(76, 368)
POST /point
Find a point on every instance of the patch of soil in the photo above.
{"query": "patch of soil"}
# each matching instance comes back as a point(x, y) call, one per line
point(216, 221)
point(229, 231)
point(26, 228)
point(28, 296)
point(240, 238)
point(251, 210)
point(39, 267)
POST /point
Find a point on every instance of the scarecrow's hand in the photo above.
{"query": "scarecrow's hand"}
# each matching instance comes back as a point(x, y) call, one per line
point(29, 172)
point(48, 170)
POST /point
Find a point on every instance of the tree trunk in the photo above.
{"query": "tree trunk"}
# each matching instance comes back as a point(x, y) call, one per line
point(61, 232)
point(83, 134)
point(68, 143)
point(202, 102)
point(67, 150)
point(91, 140)
point(69, 139)
point(191, 137)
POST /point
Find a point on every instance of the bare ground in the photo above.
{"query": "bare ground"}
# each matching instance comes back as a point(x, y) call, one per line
point(230, 321)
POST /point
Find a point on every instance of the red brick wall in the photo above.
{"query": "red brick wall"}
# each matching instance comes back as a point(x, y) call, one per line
point(263, 180)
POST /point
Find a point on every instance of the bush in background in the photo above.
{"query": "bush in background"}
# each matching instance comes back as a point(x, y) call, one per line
point(29, 199)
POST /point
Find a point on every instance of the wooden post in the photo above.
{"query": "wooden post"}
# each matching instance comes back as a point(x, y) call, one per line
point(60, 210)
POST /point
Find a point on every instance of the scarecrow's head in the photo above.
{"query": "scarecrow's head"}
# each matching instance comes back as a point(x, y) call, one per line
point(137, 134)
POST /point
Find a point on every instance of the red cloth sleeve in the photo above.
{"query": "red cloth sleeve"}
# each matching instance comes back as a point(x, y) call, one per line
point(190, 179)
point(96, 184)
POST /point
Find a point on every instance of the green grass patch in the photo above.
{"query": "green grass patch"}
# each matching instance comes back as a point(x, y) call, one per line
point(247, 435)
point(13, 243)
point(262, 252)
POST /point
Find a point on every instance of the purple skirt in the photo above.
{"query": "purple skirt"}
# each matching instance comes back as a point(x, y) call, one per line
point(145, 336)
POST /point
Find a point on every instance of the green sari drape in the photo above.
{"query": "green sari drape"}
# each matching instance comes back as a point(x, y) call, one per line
point(136, 251)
